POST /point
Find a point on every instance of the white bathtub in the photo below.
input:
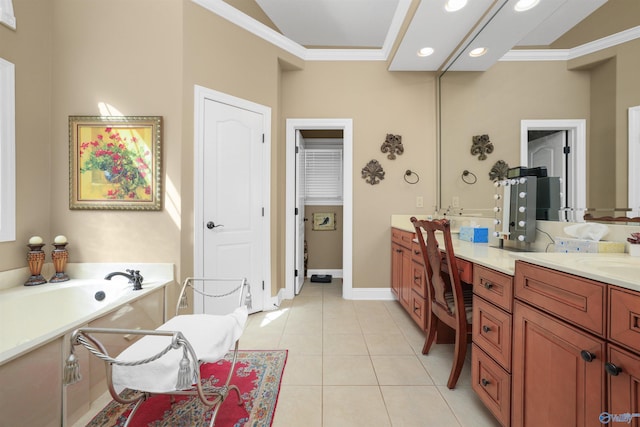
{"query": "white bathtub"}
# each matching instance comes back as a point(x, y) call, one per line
point(33, 315)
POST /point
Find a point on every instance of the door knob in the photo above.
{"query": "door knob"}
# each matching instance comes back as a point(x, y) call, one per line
point(211, 225)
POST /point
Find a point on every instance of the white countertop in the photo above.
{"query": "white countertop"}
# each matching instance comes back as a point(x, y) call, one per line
point(617, 269)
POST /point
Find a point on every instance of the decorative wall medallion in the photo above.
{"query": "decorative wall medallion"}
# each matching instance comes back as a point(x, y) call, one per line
point(373, 172)
point(482, 146)
point(499, 171)
point(393, 146)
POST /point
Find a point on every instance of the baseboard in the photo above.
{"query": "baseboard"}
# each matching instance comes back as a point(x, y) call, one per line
point(334, 273)
point(277, 300)
point(380, 294)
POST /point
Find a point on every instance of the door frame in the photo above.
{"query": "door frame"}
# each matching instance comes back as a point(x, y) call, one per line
point(201, 94)
point(633, 175)
point(577, 140)
point(346, 125)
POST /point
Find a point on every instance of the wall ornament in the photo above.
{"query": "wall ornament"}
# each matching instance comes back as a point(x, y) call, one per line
point(373, 173)
point(482, 146)
point(499, 171)
point(393, 146)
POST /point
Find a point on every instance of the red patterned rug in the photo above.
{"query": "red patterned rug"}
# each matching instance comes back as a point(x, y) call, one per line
point(257, 374)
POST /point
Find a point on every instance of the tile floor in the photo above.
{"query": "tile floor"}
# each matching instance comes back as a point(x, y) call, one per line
point(359, 363)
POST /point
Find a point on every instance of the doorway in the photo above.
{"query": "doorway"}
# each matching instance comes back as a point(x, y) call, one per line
point(293, 245)
point(231, 196)
point(561, 146)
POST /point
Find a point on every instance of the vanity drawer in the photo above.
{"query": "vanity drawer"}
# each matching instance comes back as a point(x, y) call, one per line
point(416, 253)
point(580, 301)
point(492, 384)
point(418, 279)
point(493, 286)
point(492, 331)
point(401, 237)
point(465, 268)
point(418, 305)
point(624, 317)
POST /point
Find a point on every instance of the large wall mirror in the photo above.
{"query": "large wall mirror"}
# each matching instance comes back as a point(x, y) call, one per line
point(589, 74)
point(7, 152)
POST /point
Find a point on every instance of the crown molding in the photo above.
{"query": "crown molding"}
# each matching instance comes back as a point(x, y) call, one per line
point(576, 52)
point(7, 16)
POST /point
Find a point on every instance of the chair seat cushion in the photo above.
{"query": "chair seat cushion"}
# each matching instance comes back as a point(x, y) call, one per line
point(211, 337)
point(467, 295)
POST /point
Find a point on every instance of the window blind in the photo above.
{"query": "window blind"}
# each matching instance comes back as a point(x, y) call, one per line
point(323, 176)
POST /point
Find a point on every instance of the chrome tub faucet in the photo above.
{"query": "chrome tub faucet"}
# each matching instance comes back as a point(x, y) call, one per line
point(134, 276)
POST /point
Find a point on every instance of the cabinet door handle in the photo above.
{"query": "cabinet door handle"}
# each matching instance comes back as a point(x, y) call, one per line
point(416, 252)
point(484, 382)
point(612, 369)
point(486, 329)
point(488, 285)
point(587, 356)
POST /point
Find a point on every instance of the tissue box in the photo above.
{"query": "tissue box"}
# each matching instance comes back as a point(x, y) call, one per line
point(474, 234)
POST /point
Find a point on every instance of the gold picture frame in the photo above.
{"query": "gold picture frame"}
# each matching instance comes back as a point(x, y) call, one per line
point(115, 162)
point(323, 221)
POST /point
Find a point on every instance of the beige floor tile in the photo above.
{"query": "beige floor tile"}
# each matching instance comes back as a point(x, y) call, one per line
point(353, 406)
point(299, 406)
point(353, 344)
point(348, 370)
point(439, 362)
point(305, 326)
point(302, 344)
point(467, 407)
point(417, 406)
point(400, 370)
point(303, 370)
point(252, 340)
point(388, 344)
point(334, 325)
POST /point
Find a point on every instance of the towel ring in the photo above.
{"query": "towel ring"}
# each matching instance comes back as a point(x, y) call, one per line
point(469, 181)
point(409, 173)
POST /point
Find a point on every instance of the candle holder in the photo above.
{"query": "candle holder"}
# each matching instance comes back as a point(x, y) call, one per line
point(59, 255)
point(35, 257)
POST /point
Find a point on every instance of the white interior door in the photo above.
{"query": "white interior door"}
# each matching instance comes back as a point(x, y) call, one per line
point(233, 208)
point(300, 214)
point(548, 151)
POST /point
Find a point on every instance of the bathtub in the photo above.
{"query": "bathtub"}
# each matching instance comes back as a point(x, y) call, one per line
point(31, 316)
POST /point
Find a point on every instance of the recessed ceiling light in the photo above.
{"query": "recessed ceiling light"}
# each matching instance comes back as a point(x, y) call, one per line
point(425, 51)
point(479, 51)
point(524, 5)
point(454, 5)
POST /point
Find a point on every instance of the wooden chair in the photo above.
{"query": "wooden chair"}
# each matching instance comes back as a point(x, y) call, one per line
point(450, 299)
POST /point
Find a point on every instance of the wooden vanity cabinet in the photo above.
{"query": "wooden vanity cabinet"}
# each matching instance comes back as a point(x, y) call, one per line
point(401, 266)
point(491, 350)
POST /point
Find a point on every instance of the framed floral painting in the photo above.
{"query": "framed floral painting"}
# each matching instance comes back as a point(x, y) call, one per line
point(115, 162)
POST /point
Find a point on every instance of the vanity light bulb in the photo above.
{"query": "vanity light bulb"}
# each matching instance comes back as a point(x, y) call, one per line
point(523, 194)
point(523, 180)
point(497, 196)
point(514, 181)
point(496, 234)
point(496, 221)
point(496, 209)
point(522, 208)
point(521, 238)
point(521, 223)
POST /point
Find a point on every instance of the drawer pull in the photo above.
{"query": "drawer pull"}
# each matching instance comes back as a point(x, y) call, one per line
point(485, 382)
point(612, 369)
point(416, 252)
point(488, 285)
point(486, 329)
point(587, 356)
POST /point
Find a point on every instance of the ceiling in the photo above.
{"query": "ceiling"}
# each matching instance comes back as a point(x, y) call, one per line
point(369, 29)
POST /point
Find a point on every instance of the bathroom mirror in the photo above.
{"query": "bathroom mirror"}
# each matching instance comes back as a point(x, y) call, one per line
point(598, 87)
point(7, 152)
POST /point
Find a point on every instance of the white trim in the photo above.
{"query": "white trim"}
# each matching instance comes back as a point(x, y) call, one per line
point(7, 17)
point(379, 294)
point(7, 151)
point(634, 158)
point(576, 52)
point(257, 28)
point(346, 125)
point(577, 140)
point(200, 95)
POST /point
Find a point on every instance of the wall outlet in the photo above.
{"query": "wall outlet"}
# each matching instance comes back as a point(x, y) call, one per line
point(455, 202)
point(419, 202)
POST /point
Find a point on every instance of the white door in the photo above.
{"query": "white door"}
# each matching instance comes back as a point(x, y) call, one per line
point(233, 209)
point(548, 151)
point(300, 199)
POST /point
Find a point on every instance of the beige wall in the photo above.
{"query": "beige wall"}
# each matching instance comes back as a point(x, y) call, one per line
point(379, 102)
point(324, 246)
point(32, 53)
